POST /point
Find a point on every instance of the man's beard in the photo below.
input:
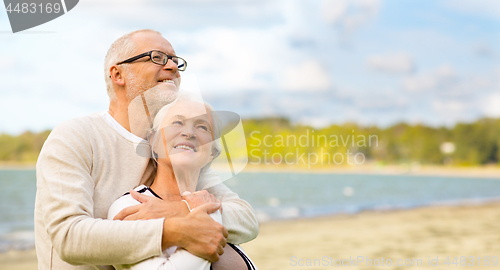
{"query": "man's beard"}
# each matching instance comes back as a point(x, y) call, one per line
point(136, 86)
point(145, 102)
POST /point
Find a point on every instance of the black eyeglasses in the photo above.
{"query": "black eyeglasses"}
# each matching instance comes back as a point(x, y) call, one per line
point(159, 58)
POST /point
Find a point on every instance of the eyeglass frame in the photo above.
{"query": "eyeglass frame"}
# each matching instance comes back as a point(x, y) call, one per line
point(132, 59)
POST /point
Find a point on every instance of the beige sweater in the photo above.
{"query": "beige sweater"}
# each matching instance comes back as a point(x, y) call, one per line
point(84, 166)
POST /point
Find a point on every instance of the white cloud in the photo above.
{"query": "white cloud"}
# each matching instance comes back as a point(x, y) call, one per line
point(333, 11)
point(308, 75)
point(349, 14)
point(446, 71)
point(7, 62)
point(381, 103)
point(392, 63)
point(21, 114)
point(419, 83)
point(448, 107)
point(229, 60)
point(497, 79)
point(477, 7)
point(484, 49)
point(449, 111)
point(491, 105)
point(441, 78)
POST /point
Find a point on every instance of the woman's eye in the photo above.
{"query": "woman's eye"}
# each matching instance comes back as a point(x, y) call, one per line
point(177, 122)
point(203, 127)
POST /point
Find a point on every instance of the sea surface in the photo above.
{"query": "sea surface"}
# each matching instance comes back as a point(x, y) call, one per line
point(278, 196)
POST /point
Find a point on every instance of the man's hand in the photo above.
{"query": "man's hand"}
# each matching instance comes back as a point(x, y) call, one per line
point(199, 198)
point(198, 233)
point(152, 208)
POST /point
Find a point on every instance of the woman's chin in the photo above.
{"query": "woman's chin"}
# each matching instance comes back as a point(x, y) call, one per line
point(185, 163)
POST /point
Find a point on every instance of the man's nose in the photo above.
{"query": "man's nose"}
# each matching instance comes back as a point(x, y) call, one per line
point(170, 65)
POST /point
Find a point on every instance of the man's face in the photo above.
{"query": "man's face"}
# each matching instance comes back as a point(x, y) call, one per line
point(143, 74)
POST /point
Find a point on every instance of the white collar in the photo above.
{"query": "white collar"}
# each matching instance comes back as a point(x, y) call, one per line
point(120, 129)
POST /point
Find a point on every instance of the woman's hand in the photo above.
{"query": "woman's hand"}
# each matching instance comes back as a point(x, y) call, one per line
point(199, 198)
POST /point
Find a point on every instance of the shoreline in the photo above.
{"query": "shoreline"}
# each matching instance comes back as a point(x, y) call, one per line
point(374, 169)
point(487, 171)
point(17, 166)
point(417, 233)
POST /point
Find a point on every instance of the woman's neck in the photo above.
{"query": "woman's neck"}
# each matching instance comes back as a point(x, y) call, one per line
point(169, 184)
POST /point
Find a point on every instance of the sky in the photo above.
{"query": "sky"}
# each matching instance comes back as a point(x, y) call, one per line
point(316, 62)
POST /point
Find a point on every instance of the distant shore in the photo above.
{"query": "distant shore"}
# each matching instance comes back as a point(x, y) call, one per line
point(488, 171)
point(377, 169)
point(17, 166)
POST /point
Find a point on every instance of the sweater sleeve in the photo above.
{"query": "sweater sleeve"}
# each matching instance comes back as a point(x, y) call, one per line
point(66, 191)
point(237, 215)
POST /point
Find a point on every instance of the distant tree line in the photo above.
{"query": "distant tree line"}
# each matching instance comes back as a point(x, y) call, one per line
point(22, 148)
point(475, 143)
point(468, 143)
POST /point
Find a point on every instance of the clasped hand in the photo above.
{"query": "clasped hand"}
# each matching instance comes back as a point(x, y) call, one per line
point(196, 232)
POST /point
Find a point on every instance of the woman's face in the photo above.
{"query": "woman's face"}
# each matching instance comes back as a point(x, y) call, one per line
point(186, 132)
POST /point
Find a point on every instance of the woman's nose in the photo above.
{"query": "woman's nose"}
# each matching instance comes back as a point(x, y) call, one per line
point(188, 132)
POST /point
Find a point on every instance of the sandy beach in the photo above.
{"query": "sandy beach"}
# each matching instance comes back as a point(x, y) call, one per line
point(20, 260)
point(422, 233)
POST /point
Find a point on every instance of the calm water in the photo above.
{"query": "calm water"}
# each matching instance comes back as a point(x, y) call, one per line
point(276, 196)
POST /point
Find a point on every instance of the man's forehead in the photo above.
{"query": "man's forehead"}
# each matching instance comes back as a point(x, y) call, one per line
point(147, 41)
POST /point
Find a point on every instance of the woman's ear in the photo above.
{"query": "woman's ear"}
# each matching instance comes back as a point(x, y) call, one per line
point(149, 135)
point(211, 157)
point(213, 154)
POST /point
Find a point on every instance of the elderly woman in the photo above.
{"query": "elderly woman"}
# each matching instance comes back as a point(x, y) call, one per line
point(184, 141)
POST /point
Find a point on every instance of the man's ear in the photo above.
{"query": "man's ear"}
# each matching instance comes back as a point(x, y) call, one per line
point(115, 73)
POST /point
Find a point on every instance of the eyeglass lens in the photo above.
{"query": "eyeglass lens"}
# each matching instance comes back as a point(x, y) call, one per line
point(162, 59)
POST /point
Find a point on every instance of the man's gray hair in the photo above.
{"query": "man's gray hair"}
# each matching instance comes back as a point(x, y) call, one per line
point(119, 51)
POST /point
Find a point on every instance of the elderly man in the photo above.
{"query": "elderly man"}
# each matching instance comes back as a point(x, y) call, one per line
point(88, 162)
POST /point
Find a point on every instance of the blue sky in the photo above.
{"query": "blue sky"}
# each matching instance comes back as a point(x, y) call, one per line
point(317, 62)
